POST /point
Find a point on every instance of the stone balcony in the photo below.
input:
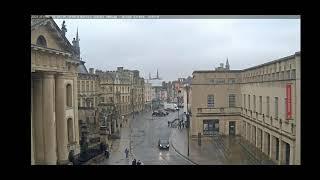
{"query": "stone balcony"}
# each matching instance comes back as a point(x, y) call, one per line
point(221, 110)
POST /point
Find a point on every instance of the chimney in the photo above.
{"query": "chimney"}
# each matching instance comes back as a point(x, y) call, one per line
point(91, 70)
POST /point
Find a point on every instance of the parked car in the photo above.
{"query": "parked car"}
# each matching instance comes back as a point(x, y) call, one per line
point(163, 144)
point(158, 113)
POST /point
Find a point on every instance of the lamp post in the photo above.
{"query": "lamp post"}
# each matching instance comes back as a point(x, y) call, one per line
point(188, 118)
point(178, 102)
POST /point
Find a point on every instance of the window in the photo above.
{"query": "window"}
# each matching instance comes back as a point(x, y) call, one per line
point(232, 80)
point(276, 107)
point(70, 130)
point(87, 86)
point(69, 95)
point(111, 99)
point(260, 104)
point(232, 100)
point(244, 101)
point(91, 85)
point(249, 101)
point(268, 106)
point(220, 81)
point(277, 76)
point(210, 101)
point(254, 103)
point(282, 75)
point(101, 99)
point(82, 86)
point(293, 74)
point(288, 74)
point(41, 41)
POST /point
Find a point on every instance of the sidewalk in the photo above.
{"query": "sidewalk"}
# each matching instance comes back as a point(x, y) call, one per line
point(117, 154)
point(217, 150)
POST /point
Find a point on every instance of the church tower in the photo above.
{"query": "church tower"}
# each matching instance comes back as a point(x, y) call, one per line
point(76, 45)
point(157, 74)
point(227, 65)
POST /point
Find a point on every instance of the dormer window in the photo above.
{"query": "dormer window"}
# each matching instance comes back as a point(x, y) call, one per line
point(41, 41)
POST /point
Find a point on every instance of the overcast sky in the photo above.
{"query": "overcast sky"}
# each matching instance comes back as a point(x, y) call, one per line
point(177, 47)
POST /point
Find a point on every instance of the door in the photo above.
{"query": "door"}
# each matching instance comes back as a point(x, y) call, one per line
point(287, 154)
point(232, 128)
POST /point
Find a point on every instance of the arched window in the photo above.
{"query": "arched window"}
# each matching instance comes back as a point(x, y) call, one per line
point(41, 41)
point(69, 95)
point(70, 130)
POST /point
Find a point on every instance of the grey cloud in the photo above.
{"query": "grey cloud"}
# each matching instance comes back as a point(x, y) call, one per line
point(177, 47)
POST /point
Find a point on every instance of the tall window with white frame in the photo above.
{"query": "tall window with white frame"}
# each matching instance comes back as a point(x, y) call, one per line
point(268, 106)
point(244, 101)
point(276, 105)
point(232, 100)
point(248, 101)
point(260, 104)
point(69, 95)
point(254, 103)
point(210, 101)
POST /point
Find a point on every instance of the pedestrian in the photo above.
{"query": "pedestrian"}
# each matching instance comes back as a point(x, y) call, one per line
point(127, 152)
point(134, 162)
point(168, 123)
point(138, 163)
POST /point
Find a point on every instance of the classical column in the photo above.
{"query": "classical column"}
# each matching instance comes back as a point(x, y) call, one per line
point(48, 116)
point(37, 119)
point(32, 137)
point(256, 138)
point(62, 134)
point(263, 140)
point(76, 116)
point(271, 146)
point(281, 152)
point(292, 157)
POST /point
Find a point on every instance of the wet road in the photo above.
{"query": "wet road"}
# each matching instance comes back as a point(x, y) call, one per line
point(145, 133)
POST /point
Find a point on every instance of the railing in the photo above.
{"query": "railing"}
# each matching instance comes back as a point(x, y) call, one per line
point(224, 110)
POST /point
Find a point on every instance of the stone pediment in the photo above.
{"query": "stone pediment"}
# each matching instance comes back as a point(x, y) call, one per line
point(47, 27)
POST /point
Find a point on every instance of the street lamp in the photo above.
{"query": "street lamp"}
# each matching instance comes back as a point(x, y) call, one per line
point(188, 118)
point(178, 102)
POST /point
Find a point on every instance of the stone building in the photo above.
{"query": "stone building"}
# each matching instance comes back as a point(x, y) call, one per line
point(261, 104)
point(54, 106)
point(147, 94)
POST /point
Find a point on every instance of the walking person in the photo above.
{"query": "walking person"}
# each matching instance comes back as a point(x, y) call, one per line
point(127, 152)
point(134, 162)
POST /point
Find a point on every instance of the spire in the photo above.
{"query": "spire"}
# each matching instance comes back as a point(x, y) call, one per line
point(77, 37)
point(227, 65)
point(75, 43)
point(157, 74)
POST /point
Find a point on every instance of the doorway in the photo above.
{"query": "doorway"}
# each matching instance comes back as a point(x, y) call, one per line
point(287, 154)
point(232, 128)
